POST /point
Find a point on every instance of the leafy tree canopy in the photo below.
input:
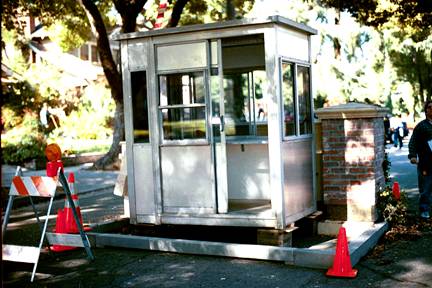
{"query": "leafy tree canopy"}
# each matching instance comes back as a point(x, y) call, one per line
point(412, 15)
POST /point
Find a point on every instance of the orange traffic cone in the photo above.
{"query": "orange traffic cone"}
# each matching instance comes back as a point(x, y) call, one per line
point(70, 223)
point(61, 229)
point(66, 223)
point(342, 262)
point(396, 190)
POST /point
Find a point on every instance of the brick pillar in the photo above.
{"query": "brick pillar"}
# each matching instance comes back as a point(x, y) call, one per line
point(353, 153)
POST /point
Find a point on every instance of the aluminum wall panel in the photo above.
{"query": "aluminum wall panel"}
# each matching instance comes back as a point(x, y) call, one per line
point(137, 54)
point(298, 177)
point(248, 171)
point(293, 44)
point(144, 187)
point(187, 179)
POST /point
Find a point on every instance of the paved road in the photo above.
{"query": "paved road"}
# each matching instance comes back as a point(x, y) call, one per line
point(404, 173)
point(86, 180)
point(403, 263)
point(401, 169)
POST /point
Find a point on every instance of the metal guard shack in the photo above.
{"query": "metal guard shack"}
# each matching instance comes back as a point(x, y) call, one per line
point(198, 154)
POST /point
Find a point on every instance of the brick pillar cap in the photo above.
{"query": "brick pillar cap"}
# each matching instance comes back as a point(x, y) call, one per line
point(351, 110)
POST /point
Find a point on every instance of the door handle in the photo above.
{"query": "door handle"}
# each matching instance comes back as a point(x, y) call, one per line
point(222, 123)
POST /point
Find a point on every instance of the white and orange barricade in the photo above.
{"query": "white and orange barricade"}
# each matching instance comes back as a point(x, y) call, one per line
point(40, 186)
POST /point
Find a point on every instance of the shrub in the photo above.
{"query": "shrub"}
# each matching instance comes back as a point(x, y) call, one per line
point(25, 142)
point(392, 210)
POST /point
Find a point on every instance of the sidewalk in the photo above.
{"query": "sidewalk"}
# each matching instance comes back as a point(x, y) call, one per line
point(404, 173)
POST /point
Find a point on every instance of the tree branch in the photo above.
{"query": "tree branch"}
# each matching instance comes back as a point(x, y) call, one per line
point(176, 13)
point(129, 11)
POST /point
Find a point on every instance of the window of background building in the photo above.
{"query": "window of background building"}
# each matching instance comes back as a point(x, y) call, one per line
point(84, 52)
point(94, 54)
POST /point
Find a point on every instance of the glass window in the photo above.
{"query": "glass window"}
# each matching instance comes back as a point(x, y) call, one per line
point(140, 107)
point(94, 54)
point(181, 89)
point(303, 91)
point(237, 117)
point(245, 107)
point(244, 76)
point(182, 105)
point(84, 52)
point(184, 123)
point(259, 103)
point(182, 56)
point(288, 99)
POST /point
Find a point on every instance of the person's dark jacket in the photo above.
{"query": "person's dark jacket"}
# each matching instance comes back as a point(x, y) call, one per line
point(418, 145)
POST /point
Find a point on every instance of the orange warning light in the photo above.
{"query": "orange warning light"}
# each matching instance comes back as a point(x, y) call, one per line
point(53, 152)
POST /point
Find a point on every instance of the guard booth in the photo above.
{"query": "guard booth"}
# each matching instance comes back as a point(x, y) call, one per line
point(219, 126)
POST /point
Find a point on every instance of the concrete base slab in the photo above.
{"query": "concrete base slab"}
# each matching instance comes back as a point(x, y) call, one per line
point(318, 256)
point(353, 228)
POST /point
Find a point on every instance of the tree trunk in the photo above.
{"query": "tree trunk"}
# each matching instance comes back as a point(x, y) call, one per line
point(118, 136)
point(113, 77)
point(230, 10)
point(129, 11)
point(176, 13)
point(336, 43)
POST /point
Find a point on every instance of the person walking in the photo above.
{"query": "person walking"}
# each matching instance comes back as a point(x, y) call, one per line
point(420, 153)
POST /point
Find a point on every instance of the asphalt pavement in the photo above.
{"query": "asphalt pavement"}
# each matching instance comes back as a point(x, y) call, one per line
point(86, 179)
point(406, 262)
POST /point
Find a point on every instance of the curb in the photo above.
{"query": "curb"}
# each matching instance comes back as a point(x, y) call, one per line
point(303, 257)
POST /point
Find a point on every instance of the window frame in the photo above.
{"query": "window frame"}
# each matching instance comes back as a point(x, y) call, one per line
point(296, 64)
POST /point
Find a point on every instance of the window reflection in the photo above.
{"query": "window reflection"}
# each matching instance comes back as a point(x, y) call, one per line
point(184, 123)
point(181, 89)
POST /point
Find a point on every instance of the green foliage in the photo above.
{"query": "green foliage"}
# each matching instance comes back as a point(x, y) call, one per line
point(413, 62)
point(411, 14)
point(198, 11)
point(14, 51)
point(19, 96)
point(80, 147)
point(94, 113)
point(392, 210)
point(9, 118)
point(69, 35)
point(25, 142)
